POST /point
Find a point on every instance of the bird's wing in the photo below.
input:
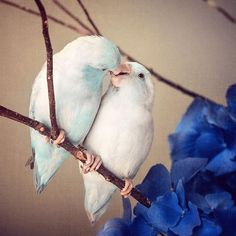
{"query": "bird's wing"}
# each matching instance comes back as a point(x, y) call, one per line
point(37, 86)
point(98, 193)
point(47, 158)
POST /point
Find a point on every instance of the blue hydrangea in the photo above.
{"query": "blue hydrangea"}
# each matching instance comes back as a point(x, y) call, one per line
point(197, 197)
point(208, 130)
point(169, 213)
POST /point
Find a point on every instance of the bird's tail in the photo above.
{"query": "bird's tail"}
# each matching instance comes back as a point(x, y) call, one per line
point(98, 193)
point(44, 171)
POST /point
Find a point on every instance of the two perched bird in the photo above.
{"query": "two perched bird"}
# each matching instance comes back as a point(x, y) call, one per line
point(122, 131)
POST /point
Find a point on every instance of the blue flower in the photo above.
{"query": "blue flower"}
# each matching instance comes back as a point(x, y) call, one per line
point(197, 197)
point(208, 228)
point(208, 130)
point(170, 212)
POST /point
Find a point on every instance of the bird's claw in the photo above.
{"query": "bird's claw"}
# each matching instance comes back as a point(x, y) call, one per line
point(92, 163)
point(60, 139)
point(125, 192)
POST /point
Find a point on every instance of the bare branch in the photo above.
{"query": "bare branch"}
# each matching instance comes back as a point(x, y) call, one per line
point(89, 17)
point(33, 12)
point(155, 74)
point(44, 130)
point(166, 81)
point(220, 9)
point(87, 30)
point(51, 96)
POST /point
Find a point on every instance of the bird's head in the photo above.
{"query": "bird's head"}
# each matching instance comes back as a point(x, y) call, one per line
point(97, 54)
point(132, 77)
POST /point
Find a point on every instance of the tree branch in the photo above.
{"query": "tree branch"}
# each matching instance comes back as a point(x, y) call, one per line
point(51, 95)
point(87, 30)
point(88, 17)
point(44, 130)
point(166, 81)
point(221, 10)
point(35, 13)
point(155, 74)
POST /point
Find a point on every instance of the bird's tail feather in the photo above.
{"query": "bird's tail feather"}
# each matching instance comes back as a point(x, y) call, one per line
point(43, 177)
point(98, 193)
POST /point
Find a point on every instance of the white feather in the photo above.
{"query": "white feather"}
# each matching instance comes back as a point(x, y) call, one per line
point(121, 134)
point(78, 75)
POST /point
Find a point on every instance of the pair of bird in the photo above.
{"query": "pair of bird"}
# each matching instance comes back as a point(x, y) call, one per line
point(118, 126)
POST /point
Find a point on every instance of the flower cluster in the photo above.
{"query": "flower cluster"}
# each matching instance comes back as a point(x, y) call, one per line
point(198, 196)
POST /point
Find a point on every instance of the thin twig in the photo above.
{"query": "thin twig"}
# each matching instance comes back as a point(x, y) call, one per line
point(87, 30)
point(155, 74)
point(33, 12)
point(89, 17)
point(221, 10)
point(168, 82)
point(44, 130)
point(51, 96)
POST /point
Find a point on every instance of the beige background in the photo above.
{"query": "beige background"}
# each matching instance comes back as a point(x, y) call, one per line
point(185, 41)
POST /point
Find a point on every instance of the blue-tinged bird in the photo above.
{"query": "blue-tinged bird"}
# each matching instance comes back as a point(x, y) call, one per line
point(122, 135)
point(79, 70)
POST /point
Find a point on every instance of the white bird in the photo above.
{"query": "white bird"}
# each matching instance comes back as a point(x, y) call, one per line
point(122, 135)
point(79, 70)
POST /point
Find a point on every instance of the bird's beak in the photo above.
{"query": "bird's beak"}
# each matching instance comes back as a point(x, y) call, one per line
point(117, 74)
point(122, 69)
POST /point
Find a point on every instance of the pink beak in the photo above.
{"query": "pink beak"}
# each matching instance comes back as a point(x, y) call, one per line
point(116, 75)
point(122, 69)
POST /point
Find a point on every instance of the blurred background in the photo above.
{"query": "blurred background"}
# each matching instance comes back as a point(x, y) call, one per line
point(187, 41)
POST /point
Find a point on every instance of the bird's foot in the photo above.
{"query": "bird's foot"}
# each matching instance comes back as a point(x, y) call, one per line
point(91, 164)
point(60, 138)
point(125, 192)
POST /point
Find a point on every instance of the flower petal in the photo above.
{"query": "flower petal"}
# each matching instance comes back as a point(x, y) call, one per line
point(194, 117)
point(219, 200)
point(223, 163)
point(157, 182)
point(163, 213)
point(188, 222)
point(140, 227)
point(209, 228)
point(114, 227)
point(209, 143)
point(231, 98)
point(182, 144)
point(179, 170)
point(220, 117)
point(181, 194)
point(227, 219)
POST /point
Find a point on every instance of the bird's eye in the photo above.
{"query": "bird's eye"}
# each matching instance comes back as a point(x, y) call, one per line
point(103, 69)
point(141, 76)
